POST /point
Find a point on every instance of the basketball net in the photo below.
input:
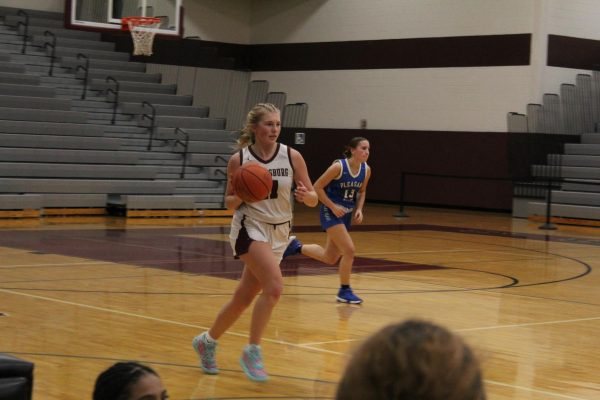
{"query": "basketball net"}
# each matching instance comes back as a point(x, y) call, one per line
point(142, 31)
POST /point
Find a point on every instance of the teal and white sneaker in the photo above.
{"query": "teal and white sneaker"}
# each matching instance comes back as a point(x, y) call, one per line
point(252, 363)
point(206, 351)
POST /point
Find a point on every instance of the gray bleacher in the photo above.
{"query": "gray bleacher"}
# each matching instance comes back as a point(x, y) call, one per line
point(572, 111)
point(134, 86)
point(257, 93)
point(72, 156)
point(20, 201)
point(187, 122)
point(19, 78)
point(61, 150)
point(59, 142)
point(294, 115)
point(277, 98)
point(40, 40)
point(129, 76)
point(576, 172)
point(44, 103)
point(85, 186)
point(118, 66)
point(165, 109)
point(55, 151)
point(50, 128)
point(27, 90)
point(6, 66)
point(26, 114)
point(153, 98)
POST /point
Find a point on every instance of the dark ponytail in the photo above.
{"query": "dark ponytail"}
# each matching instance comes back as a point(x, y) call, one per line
point(352, 145)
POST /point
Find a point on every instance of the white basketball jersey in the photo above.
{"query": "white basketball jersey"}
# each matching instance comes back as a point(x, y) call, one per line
point(277, 208)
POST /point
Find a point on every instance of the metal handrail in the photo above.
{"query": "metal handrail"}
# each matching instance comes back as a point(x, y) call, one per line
point(53, 53)
point(86, 69)
point(26, 25)
point(152, 119)
point(550, 182)
point(116, 93)
point(217, 158)
point(185, 147)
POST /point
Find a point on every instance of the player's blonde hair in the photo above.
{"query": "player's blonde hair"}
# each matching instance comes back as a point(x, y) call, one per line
point(254, 116)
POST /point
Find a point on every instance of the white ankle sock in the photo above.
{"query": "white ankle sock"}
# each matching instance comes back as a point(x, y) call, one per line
point(209, 338)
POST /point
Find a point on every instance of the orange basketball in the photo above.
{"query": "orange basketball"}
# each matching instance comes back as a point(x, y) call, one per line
point(252, 182)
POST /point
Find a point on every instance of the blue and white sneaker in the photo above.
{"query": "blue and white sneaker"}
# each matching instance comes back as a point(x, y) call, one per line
point(206, 351)
point(252, 363)
point(294, 247)
point(347, 296)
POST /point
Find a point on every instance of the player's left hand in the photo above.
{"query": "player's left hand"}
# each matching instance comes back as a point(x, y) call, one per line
point(300, 192)
point(358, 216)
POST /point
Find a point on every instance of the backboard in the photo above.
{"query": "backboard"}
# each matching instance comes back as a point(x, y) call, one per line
point(106, 14)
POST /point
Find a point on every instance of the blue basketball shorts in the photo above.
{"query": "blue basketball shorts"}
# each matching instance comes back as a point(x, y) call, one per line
point(328, 218)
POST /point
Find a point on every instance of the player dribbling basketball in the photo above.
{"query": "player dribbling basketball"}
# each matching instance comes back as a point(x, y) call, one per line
point(259, 236)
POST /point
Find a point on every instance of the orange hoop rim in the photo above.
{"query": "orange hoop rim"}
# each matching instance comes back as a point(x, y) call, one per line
point(137, 21)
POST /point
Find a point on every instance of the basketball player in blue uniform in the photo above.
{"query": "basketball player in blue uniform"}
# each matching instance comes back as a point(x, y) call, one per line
point(259, 236)
point(341, 190)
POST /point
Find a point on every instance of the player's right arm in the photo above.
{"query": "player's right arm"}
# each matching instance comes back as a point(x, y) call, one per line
point(232, 202)
point(330, 174)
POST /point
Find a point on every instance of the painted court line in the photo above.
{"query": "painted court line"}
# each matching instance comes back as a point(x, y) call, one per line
point(544, 392)
point(563, 321)
point(417, 252)
point(57, 264)
point(482, 328)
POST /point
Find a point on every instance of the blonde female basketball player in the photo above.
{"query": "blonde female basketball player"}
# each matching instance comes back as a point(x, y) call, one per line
point(259, 236)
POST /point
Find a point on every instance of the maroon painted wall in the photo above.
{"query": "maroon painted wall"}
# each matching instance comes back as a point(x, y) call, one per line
point(463, 169)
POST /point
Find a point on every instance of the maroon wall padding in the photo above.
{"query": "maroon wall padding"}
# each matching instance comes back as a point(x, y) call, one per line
point(442, 164)
point(440, 52)
point(572, 52)
point(443, 52)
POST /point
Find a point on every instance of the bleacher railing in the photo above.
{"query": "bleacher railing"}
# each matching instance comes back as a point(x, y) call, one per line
point(219, 172)
point(53, 52)
point(116, 93)
point(551, 181)
point(220, 158)
point(26, 29)
point(86, 70)
point(152, 118)
point(185, 143)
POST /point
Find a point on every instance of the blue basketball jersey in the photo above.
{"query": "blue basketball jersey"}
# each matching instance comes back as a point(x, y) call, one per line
point(343, 190)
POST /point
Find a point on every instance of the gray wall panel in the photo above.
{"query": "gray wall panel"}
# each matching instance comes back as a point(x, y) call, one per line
point(257, 93)
point(186, 80)
point(211, 88)
point(169, 73)
point(238, 91)
point(277, 98)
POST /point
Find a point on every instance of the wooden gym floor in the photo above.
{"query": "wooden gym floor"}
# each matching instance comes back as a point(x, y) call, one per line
point(77, 297)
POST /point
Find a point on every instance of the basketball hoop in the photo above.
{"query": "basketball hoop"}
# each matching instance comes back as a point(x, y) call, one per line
point(142, 31)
